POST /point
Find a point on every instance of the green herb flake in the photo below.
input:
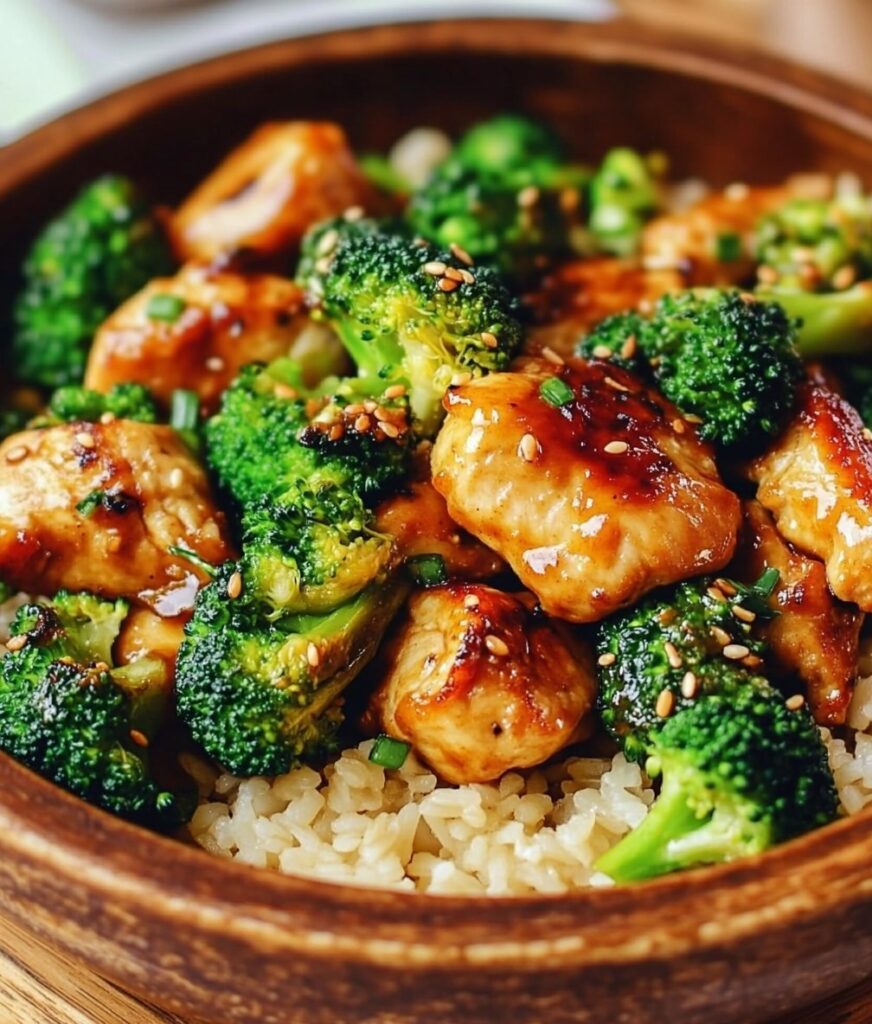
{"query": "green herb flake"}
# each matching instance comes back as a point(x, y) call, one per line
point(388, 752)
point(166, 307)
point(428, 570)
point(555, 391)
point(90, 503)
point(728, 247)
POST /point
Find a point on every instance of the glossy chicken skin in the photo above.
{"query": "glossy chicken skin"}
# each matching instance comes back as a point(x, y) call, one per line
point(267, 192)
point(689, 239)
point(593, 503)
point(479, 684)
point(227, 320)
point(418, 520)
point(816, 480)
point(814, 636)
point(152, 495)
point(576, 296)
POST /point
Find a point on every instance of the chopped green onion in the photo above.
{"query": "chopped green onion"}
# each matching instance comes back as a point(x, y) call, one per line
point(192, 557)
point(184, 409)
point(428, 570)
point(728, 247)
point(768, 581)
point(166, 307)
point(555, 391)
point(388, 752)
point(90, 503)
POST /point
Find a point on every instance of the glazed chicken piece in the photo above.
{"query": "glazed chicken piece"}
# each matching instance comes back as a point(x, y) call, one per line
point(691, 239)
point(267, 192)
point(418, 520)
point(576, 296)
point(96, 506)
point(592, 502)
point(146, 640)
point(816, 480)
point(213, 322)
point(480, 684)
point(814, 636)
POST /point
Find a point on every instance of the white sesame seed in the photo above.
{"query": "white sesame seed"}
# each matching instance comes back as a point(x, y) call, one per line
point(721, 635)
point(867, 435)
point(445, 284)
point(327, 242)
point(716, 594)
point(15, 643)
point(362, 423)
point(552, 357)
point(602, 352)
point(459, 379)
point(672, 655)
point(461, 254)
point(678, 426)
point(467, 276)
point(139, 738)
point(528, 448)
point(793, 703)
point(736, 192)
point(84, 439)
point(628, 349)
point(744, 614)
point(665, 704)
point(395, 391)
point(434, 267)
point(353, 409)
point(604, 660)
point(176, 478)
point(353, 213)
point(689, 685)
point(726, 586)
point(693, 418)
point(528, 197)
point(107, 418)
point(453, 275)
point(489, 340)
point(215, 364)
point(313, 655)
point(471, 601)
point(17, 454)
point(735, 652)
point(388, 429)
point(616, 447)
point(496, 646)
point(615, 385)
point(234, 586)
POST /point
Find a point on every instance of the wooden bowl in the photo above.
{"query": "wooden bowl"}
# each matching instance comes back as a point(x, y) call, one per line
point(222, 942)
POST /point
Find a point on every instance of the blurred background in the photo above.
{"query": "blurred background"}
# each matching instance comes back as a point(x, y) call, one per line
point(55, 54)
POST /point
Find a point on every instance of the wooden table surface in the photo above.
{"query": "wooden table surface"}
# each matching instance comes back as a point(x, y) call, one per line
point(40, 986)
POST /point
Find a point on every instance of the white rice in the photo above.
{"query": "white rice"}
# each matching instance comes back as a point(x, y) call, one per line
point(537, 832)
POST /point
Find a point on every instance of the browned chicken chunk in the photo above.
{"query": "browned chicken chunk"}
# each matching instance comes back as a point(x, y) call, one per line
point(816, 480)
point(576, 296)
point(592, 501)
point(701, 239)
point(220, 322)
point(479, 684)
point(814, 636)
point(97, 506)
point(267, 192)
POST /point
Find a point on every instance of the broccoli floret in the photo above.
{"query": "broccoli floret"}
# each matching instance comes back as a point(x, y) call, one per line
point(408, 313)
point(827, 323)
point(717, 355)
point(623, 195)
point(505, 195)
point(261, 696)
point(99, 251)
point(123, 401)
point(681, 689)
point(68, 714)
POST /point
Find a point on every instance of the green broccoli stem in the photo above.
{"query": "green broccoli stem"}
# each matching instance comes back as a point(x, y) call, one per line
point(679, 833)
point(832, 324)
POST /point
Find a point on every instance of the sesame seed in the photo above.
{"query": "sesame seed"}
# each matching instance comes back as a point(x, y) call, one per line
point(672, 655)
point(234, 586)
point(552, 357)
point(471, 601)
point(604, 660)
point(744, 614)
point(395, 391)
point(736, 192)
point(84, 439)
point(689, 685)
point(735, 652)
point(370, 406)
point(616, 447)
point(528, 448)
point(460, 379)
point(645, 306)
point(628, 349)
point(435, 267)
point(752, 661)
point(353, 409)
point(844, 277)
point(678, 426)
point(328, 242)
point(446, 284)
point(176, 478)
point(716, 594)
point(748, 298)
point(569, 199)
point(489, 340)
point(693, 418)
point(284, 391)
point(461, 254)
point(467, 276)
point(726, 586)
point(767, 275)
point(107, 418)
point(313, 655)
point(353, 213)
point(602, 352)
point(665, 704)
point(15, 643)
point(615, 385)
point(795, 702)
point(139, 738)
point(101, 666)
point(496, 646)
point(362, 423)
point(17, 454)
point(453, 275)
point(337, 432)
point(389, 430)
point(721, 635)
point(215, 364)
point(528, 197)
point(113, 541)
point(867, 435)
point(323, 265)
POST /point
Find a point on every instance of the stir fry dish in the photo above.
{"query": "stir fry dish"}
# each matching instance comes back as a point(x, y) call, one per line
point(461, 506)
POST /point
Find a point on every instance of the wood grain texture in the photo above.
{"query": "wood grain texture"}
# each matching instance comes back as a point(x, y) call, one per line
point(738, 944)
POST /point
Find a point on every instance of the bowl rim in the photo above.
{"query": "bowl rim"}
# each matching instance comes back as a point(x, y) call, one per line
point(287, 911)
